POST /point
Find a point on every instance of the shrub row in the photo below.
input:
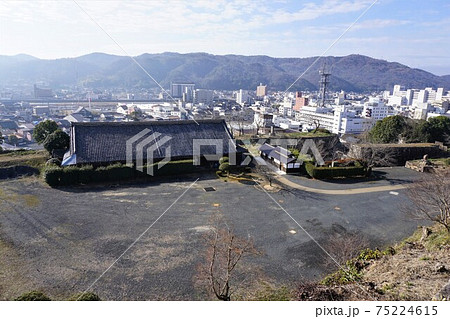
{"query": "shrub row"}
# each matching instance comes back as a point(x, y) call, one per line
point(73, 175)
point(334, 172)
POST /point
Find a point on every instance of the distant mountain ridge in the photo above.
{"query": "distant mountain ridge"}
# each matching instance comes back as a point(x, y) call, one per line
point(356, 73)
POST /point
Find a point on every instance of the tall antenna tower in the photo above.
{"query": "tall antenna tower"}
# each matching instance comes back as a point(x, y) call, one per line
point(324, 80)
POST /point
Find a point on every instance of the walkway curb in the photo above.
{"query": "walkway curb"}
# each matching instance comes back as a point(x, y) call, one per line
point(350, 191)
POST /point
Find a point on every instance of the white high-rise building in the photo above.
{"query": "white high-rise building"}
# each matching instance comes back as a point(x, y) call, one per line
point(398, 90)
point(347, 120)
point(241, 97)
point(375, 108)
point(203, 96)
point(182, 90)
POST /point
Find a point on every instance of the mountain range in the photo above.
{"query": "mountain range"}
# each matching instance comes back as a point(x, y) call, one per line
point(355, 73)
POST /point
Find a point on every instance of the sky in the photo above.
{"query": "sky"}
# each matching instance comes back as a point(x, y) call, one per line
point(412, 32)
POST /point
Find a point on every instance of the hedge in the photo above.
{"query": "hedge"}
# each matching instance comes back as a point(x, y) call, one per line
point(74, 175)
point(334, 172)
point(85, 296)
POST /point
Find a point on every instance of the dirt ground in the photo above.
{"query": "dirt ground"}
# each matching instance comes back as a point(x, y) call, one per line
point(61, 240)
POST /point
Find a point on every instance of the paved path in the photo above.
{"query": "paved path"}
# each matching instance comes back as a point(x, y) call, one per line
point(350, 191)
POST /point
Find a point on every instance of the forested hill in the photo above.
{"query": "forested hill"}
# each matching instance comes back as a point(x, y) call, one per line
point(228, 72)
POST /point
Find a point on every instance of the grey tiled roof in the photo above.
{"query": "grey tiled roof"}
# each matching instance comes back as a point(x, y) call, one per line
point(102, 142)
point(8, 124)
point(279, 153)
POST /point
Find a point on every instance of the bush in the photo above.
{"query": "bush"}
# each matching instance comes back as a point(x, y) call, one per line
point(335, 172)
point(53, 162)
point(56, 140)
point(321, 130)
point(310, 168)
point(349, 273)
point(85, 296)
point(224, 167)
point(224, 160)
point(85, 174)
point(369, 254)
point(33, 296)
point(115, 173)
point(52, 175)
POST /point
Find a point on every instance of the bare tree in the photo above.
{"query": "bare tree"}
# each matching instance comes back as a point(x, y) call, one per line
point(237, 118)
point(330, 148)
point(312, 121)
point(316, 123)
point(258, 124)
point(371, 154)
point(430, 198)
point(265, 172)
point(344, 247)
point(224, 252)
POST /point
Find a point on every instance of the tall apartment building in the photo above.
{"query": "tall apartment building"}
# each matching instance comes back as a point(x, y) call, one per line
point(347, 120)
point(182, 90)
point(241, 96)
point(203, 96)
point(375, 109)
point(414, 97)
point(261, 90)
point(300, 101)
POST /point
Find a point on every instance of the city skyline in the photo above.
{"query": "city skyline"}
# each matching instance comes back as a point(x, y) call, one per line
point(409, 32)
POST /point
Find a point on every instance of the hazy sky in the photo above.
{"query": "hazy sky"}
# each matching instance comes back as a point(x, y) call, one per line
point(413, 32)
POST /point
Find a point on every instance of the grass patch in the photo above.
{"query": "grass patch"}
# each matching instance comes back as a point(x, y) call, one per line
point(33, 296)
point(266, 291)
point(31, 200)
point(305, 134)
point(352, 270)
point(348, 274)
point(438, 239)
point(35, 159)
point(441, 161)
point(271, 293)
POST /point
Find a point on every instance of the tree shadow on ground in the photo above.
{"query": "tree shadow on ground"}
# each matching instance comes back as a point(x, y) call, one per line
point(140, 183)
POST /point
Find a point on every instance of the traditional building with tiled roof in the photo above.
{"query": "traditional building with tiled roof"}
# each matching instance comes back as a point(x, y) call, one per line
point(101, 143)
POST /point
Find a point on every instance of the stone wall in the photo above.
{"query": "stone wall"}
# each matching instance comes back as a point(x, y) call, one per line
point(399, 153)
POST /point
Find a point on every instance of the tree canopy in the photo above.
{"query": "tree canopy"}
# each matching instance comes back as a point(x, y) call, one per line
point(392, 129)
point(438, 129)
point(388, 130)
point(56, 141)
point(44, 129)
